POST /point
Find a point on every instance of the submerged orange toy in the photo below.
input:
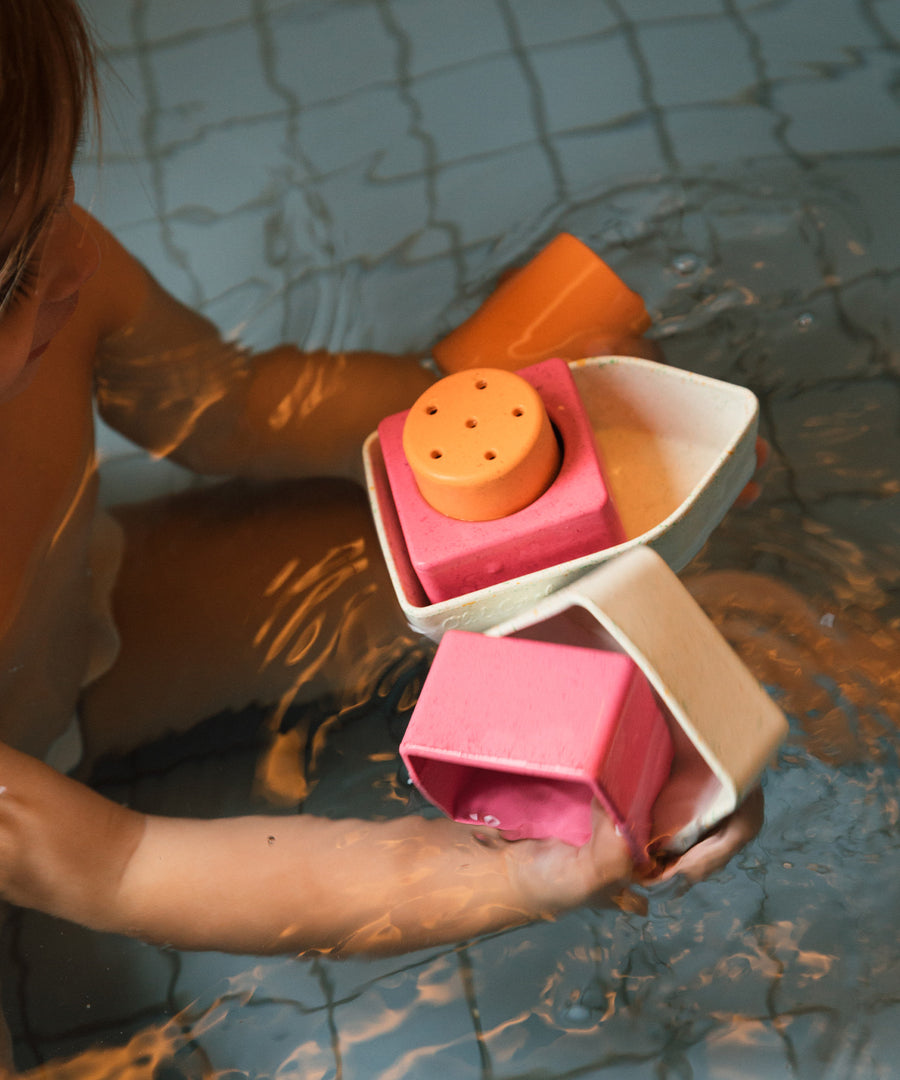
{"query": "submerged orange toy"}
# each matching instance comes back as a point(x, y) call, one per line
point(559, 304)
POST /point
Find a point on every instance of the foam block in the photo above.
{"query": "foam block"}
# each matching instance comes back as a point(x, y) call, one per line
point(573, 517)
point(522, 735)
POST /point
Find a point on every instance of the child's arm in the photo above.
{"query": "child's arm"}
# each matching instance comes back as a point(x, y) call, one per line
point(280, 884)
point(167, 380)
point(288, 884)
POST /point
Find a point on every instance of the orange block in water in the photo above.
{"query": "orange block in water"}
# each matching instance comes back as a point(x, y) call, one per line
point(561, 303)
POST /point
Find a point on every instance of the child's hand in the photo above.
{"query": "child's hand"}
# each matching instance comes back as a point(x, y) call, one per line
point(554, 876)
point(717, 848)
point(753, 490)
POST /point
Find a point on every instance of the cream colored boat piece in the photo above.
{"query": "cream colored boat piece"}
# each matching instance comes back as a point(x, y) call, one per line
point(677, 448)
point(724, 726)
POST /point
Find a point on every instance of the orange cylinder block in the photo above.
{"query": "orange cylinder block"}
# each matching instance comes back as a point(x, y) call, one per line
point(558, 304)
point(480, 445)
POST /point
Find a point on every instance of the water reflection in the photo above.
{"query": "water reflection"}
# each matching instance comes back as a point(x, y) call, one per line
point(829, 652)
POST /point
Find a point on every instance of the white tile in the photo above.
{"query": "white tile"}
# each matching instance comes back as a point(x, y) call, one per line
point(839, 112)
point(539, 23)
point(327, 51)
point(224, 170)
point(163, 19)
point(677, 55)
point(209, 81)
point(588, 83)
point(439, 35)
point(370, 134)
point(662, 10)
point(805, 38)
point(486, 197)
point(703, 137)
point(475, 109)
point(112, 21)
point(397, 1026)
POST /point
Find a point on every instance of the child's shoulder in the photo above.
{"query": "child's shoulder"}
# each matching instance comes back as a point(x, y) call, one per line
point(115, 295)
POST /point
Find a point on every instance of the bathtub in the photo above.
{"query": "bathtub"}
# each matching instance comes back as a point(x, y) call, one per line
point(358, 174)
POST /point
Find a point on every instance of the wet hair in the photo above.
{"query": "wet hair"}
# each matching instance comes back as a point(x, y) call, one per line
point(48, 81)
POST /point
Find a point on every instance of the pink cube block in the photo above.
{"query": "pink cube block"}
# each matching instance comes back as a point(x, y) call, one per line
point(575, 515)
point(521, 735)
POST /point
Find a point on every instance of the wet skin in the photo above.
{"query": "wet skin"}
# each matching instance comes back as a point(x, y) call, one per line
point(253, 591)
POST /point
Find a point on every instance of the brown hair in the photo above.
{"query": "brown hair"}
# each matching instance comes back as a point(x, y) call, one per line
point(47, 81)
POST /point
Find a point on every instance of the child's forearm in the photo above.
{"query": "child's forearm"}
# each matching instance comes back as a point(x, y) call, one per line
point(275, 885)
point(291, 884)
point(279, 884)
point(252, 884)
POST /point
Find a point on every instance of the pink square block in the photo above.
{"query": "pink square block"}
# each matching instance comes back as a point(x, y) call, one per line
point(575, 516)
point(521, 735)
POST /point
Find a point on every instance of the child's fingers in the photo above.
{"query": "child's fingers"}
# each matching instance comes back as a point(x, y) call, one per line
point(716, 850)
point(753, 490)
point(749, 494)
point(554, 875)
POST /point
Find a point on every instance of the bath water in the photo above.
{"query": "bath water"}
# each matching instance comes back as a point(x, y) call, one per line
point(358, 175)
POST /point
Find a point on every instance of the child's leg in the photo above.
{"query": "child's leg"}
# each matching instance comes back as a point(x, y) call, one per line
point(242, 594)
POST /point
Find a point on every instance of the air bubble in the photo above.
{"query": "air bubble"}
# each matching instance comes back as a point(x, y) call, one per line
point(686, 263)
point(804, 322)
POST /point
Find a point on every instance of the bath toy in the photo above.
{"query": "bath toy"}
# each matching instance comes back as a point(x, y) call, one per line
point(558, 304)
point(677, 449)
point(482, 490)
point(521, 735)
point(498, 452)
point(724, 727)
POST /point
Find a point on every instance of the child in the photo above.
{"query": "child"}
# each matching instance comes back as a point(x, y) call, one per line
point(263, 589)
